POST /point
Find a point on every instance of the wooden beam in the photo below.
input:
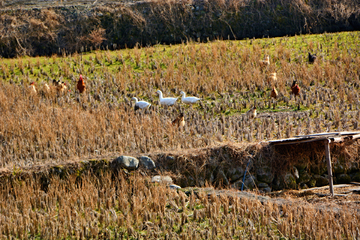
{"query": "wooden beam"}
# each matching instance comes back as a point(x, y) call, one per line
point(329, 168)
point(329, 134)
point(296, 141)
point(348, 140)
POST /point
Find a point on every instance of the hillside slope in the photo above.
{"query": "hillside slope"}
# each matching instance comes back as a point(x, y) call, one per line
point(39, 28)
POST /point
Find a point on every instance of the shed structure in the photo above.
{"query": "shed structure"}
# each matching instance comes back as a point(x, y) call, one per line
point(328, 138)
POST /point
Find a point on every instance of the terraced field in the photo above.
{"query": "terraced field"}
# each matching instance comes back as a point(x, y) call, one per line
point(53, 127)
point(227, 76)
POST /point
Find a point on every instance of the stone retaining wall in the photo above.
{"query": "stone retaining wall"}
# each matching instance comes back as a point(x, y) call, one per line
point(222, 166)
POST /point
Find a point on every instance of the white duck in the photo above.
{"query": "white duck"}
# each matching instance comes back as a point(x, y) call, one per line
point(166, 101)
point(140, 104)
point(188, 100)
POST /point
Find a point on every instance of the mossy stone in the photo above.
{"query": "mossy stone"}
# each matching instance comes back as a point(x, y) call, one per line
point(353, 167)
point(265, 175)
point(235, 174)
point(321, 181)
point(338, 168)
point(304, 177)
point(319, 169)
point(343, 178)
point(356, 177)
point(290, 181)
point(262, 185)
point(312, 182)
point(249, 183)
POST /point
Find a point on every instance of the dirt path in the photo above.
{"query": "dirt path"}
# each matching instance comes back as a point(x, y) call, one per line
point(317, 198)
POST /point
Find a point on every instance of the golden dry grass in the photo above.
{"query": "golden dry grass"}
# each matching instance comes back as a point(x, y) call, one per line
point(225, 74)
point(130, 207)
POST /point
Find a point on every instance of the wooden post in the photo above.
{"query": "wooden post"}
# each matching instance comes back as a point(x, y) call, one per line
point(329, 168)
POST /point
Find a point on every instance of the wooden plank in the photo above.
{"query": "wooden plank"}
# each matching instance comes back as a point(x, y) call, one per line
point(328, 161)
point(290, 139)
point(329, 134)
point(297, 141)
point(326, 187)
point(320, 134)
point(312, 138)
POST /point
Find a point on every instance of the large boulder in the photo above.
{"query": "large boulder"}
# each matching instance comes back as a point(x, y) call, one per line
point(265, 175)
point(127, 162)
point(147, 162)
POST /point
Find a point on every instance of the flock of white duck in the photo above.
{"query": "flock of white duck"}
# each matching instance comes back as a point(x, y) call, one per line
point(167, 101)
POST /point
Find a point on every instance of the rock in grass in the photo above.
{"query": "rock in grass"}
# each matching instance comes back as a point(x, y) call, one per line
point(127, 162)
point(147, 162)
point(174, 186)
point(170, 159)
point(162, 179)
